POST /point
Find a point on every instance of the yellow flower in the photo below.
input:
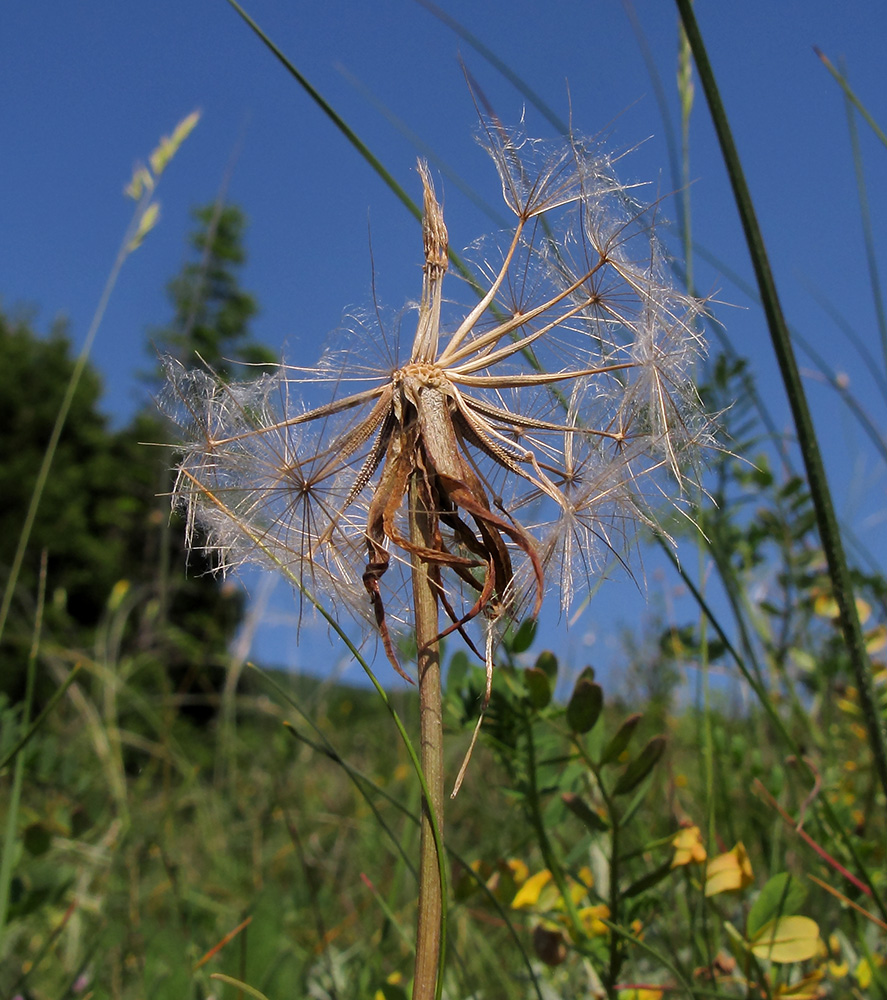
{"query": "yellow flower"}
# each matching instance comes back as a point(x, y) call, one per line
point(863, 974)
point(728, 872)
point(593, 917)
point(529, 893)
point(808, 988)
point(519, 870)
point(395, 979)
point(688, 847)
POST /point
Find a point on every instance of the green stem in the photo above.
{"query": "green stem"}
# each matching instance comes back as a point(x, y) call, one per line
point(430, 926)
point(615, 962)
point(825, 512)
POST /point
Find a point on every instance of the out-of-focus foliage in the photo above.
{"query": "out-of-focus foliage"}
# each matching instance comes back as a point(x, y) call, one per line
point(102, 521)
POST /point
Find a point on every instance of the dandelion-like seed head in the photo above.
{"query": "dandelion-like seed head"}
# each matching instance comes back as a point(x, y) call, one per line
point(531, 432)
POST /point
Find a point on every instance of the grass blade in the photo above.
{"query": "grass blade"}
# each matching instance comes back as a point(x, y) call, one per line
point(851, 96)
point(825, 512)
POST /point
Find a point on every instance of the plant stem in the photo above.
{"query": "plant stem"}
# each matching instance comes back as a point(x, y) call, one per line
point(826, 518)
point(431, 904)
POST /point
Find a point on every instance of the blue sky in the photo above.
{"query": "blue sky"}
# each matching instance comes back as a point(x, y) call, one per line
point(87, 89)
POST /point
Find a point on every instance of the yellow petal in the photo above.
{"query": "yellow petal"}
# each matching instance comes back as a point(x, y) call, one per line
point(808, 988)
point(688, 847)
point(529, 892)
point(728, 872)
point(592, 918)
point(519, 870)
point(827, 607)
point(876, 639)
point(863, 974)
point(787, 939)
point(585, 876)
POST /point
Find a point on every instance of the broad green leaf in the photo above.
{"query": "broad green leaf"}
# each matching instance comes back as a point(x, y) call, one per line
point(37, 839)
point(546, 661)
point(783, 894)
point(641, 766)
point(538, 687)
point(584, 706)
point(456, 672)
point(523, 637)
point(616, 747)
point(583, 812)
point(788, 939)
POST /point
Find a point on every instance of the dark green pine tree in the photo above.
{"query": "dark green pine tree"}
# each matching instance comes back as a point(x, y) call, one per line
point(104, 529)
point(211, 312)
point(104, 519)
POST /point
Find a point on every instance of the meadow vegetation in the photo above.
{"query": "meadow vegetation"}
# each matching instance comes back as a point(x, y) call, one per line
point(178, 823)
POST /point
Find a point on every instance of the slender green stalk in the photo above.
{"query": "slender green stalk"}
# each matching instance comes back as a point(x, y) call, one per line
point(851, 96)
point(333, 115)
point(807, 441)
point(35, 726)
point(868, 236)
point(10, 840)
point(429, 943)
point(61, 420)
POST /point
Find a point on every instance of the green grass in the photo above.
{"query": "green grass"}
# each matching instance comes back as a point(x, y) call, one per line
point(277, 844)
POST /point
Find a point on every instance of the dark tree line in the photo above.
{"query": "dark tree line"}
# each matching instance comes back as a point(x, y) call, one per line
point(103, 520)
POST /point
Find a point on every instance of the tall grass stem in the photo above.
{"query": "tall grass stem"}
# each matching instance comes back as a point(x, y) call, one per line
point(825, 513)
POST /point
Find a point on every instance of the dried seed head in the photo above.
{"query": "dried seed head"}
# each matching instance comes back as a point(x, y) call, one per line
point(533, 427)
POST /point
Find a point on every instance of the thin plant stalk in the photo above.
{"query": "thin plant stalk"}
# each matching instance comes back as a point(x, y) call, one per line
point(144, 218)
point(431, 904)
point(829, 531)
point(10, 840)
point(866, 219)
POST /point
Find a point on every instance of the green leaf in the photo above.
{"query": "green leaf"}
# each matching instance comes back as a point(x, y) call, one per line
point(736, 944)
point(783, 894)
point(37, 839)
point(456, 672)
point(245, 987)
point(786, 940)
point(615, 748)
point(538, 687)
point(648, 881)
point(641, 766)
point(583, 812)
point(523, 637)
point(584, 706)
point(392, 992)
point(546, 661)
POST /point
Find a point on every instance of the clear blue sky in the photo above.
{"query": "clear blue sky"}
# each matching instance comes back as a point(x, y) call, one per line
point(87, 88)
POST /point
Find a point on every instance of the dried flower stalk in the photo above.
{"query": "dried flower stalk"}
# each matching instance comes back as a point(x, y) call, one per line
point(463, 474)
point(534, 431)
